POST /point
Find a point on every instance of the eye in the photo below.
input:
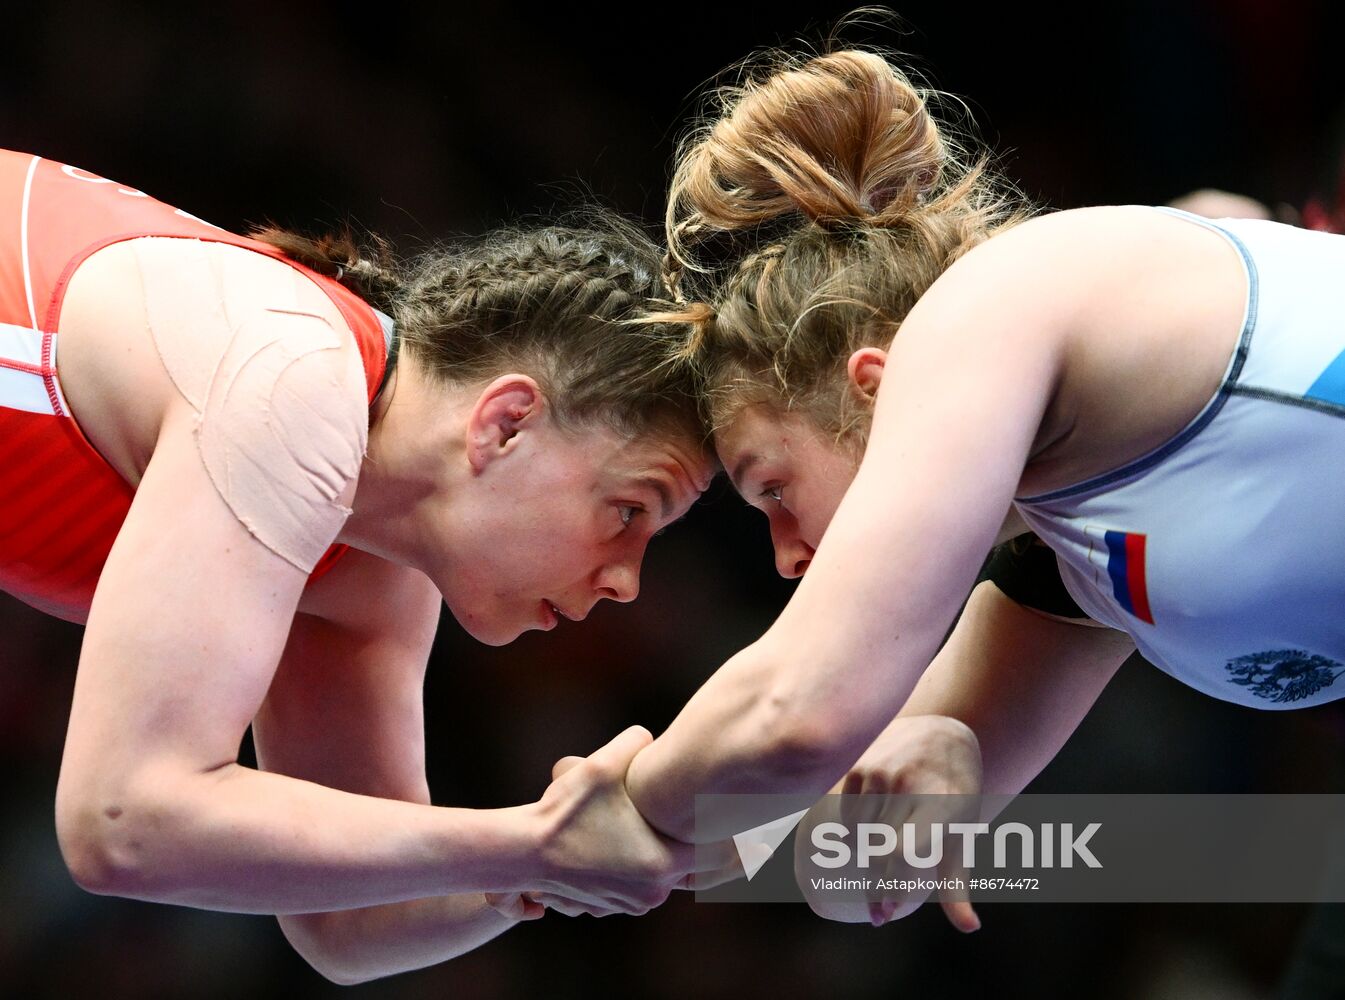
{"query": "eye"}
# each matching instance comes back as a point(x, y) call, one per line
point(775, 493)
point(628, 513)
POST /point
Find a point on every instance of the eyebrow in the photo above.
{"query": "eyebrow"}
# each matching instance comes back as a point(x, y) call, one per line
point(744, 464)
point(661, 488)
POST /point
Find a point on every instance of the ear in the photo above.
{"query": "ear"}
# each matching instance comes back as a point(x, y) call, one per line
point(865, 369)
point(510, 404)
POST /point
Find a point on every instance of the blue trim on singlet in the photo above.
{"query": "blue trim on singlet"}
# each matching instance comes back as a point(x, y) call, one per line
point(1330, 384)
point(1212, 408)
point(1288, 399)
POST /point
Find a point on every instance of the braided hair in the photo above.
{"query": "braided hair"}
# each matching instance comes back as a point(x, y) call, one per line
point(564, 304)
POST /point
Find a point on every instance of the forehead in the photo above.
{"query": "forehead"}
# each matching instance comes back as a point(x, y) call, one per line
point(679, 456)
point(766, 438)
point(675, 456)
point(754, 430)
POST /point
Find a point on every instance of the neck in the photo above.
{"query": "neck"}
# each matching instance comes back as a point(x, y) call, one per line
point(416, 441)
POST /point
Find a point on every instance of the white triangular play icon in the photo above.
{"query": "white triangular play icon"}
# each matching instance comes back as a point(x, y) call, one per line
point(755, 846)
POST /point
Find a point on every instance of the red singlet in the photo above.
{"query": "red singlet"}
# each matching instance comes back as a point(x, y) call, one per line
point(61, 504)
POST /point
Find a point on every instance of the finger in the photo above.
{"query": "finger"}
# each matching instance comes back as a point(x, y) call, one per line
point(703, 880)
point(881, 912)
point(620, 750)
point(513, 906)
point(565, 907)
point(571, 907)
point(719, 858)
point(900, 808)
point(506, 903)
point(961, 914)
point(711, 857)
point(563, 765)
point(533, 909)
point(955, 899)
point(874, 802)
point(850, 806)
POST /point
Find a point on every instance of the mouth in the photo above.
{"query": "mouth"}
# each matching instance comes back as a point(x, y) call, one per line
point(555, 612)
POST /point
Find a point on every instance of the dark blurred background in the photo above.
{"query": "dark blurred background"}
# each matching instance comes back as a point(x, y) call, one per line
point(423, 123)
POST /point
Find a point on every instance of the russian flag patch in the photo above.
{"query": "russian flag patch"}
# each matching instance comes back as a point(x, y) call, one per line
point(1122, 555)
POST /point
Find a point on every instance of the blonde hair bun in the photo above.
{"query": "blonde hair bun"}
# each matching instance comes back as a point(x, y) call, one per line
point(842, 137)
point(812, 209)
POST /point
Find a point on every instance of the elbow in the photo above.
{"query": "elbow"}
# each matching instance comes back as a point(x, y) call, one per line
point(99, 860)
point(109, 839)
point(324, 941)
point(798, 748)
point(88, 867)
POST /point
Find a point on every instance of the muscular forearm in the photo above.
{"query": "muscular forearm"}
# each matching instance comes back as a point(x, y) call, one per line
point(740, 734)
point(1020, 680)
point(354, 946)
point(249, 841)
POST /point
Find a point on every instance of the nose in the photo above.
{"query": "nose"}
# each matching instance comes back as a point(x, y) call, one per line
point(792, 553)
point(619, 581)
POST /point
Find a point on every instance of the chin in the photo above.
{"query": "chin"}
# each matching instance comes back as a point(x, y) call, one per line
point(484, 630)
point(492, 634)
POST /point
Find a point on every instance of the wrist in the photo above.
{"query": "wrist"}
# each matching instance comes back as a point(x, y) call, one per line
point(925, 753)
point(945, 751)
point(530, 832)
point(930, 731)
point(498, 853)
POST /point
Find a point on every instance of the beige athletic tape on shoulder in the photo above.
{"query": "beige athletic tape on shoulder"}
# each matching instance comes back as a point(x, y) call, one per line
point(281, 402)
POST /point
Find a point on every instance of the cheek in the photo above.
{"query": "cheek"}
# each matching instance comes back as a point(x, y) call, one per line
point(834, 495)
point(830, 486)
point(565, 545)
point(815, 507)
point(811, 530)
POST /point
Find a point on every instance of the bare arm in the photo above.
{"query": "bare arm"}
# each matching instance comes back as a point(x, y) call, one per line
point(999, 700)
point(345, 711)
point(966, 387)
point(185, 634)
point(1021, 680)
point(151, 802)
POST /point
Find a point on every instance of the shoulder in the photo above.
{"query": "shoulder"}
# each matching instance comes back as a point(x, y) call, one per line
point(1073, 242)
point(1085, 225)
point(1082, 243)
point(193, 294)
point(241, 333)
point(268, 375)
point(240, 274)
point(1064, 272)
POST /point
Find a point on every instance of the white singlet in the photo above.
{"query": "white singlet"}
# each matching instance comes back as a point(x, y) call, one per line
point(1222, 552)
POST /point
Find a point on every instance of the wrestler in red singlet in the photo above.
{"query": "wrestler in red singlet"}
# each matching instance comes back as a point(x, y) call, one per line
point(61, 504)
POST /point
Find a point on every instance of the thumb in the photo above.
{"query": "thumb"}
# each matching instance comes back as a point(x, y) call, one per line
point(563, 765)
point(622, 750)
